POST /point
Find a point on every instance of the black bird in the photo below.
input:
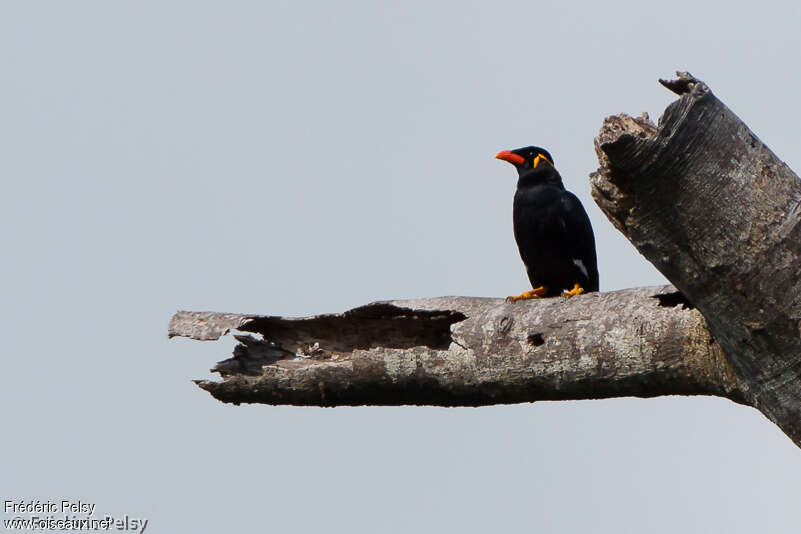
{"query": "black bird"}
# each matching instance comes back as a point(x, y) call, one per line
point(552, 230)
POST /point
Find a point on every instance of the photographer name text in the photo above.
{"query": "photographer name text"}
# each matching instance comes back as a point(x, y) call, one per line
point(41, 515)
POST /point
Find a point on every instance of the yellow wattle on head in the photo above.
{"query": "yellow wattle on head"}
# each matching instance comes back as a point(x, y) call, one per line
point(538, 158)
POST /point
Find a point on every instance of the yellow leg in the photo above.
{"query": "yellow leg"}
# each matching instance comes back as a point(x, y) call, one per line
point(577, 290)
point(535, 293)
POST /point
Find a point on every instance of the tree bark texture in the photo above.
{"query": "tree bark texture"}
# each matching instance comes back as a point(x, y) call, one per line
point(705, 201)
point(699, 195)
point(466, 351)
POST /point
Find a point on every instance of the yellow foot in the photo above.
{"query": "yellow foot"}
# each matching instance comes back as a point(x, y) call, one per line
point(535, 293)
point(577, 290)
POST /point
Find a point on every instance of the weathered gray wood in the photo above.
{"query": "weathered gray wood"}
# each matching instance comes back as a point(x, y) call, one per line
point(462, 351)
point(698, 195)
point(705, 201)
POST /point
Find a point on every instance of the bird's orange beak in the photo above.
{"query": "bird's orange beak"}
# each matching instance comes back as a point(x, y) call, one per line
point(507, 155)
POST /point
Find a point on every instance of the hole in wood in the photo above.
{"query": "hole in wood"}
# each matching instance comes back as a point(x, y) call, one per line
point(536, 339)
point(677, 298)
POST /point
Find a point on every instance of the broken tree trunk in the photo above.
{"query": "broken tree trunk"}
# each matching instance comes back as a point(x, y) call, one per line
point(700, 196)
point(705, 201)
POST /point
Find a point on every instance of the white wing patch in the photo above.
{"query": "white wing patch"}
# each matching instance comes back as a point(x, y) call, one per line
point(580, 265)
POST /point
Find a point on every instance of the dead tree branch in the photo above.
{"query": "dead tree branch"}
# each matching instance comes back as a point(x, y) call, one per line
point(699, 196)
point(462, 351)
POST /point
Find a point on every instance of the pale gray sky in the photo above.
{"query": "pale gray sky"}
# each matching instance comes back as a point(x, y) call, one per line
point(295, 158)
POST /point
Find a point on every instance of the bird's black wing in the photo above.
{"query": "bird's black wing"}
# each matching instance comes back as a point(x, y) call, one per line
point(579, 240)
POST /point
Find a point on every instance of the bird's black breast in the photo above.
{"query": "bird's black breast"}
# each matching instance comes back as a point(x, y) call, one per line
point(555, 239)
